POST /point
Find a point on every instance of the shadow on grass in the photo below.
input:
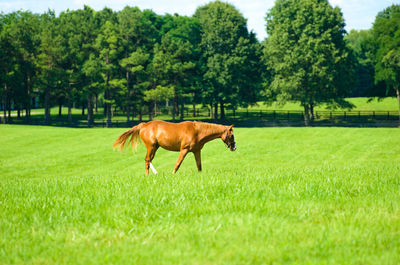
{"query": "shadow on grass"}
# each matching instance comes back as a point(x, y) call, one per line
point(241, 123)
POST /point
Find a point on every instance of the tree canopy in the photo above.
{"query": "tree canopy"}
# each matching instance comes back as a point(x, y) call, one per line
point(306, 54)
point(386, 30)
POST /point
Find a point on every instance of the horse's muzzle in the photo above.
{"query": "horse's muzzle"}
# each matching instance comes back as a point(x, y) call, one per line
point(233, 147)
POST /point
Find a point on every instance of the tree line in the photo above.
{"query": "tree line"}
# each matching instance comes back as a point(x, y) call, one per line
point(134, 60)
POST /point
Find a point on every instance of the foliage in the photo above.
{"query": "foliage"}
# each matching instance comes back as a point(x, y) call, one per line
point(158, 94)
point(307, 55)
point(386, 31)
point(363, 46)
point(90, 59)
point(232, 60)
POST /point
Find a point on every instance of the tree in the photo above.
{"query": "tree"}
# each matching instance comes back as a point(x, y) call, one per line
point(386, 30)
point(160, 93)
point(230, 51)
point(307, 55)
point(7, 62)
point(363, 47)
point(176, 59)
point(108, 48)
point(49, 57)
point(137, 34)
point(79, 29)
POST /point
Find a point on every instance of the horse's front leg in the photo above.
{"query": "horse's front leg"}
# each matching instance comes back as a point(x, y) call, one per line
point(182, 155)
point(197, 156)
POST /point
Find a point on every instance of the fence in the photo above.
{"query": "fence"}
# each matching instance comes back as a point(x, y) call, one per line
point(249, 116)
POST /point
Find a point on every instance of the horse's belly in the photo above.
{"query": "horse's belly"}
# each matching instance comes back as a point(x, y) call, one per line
point(170, 146)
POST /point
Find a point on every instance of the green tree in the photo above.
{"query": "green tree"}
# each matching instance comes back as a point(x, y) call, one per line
point(160, 93)
point(363, 46)
point(176, 59)
point(49, 57)
point(79, 30)
point(386, 30)
point(7, 62)
point(25, 41)
point(307, 55)
point(108, 48)
point(230, 52)
point(138, 34)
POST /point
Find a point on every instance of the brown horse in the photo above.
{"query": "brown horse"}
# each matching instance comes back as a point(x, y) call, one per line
point(184, 137)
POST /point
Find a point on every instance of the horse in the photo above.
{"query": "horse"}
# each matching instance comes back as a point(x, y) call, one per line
point(183, 137)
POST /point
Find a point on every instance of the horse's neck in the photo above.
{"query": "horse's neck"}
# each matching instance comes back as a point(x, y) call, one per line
point(208, 132)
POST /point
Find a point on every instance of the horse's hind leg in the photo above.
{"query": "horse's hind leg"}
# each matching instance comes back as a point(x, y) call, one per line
point(151, 151)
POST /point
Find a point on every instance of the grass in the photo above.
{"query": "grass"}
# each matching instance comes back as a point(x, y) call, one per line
point(360, 104)
point(287, 195)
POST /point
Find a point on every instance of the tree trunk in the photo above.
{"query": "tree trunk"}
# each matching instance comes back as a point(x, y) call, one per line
point(140, 115)
point(306, 115)
point(108, 105)
point(69, 110)
point(9, 110)
point(216, 111)
point(28, 103)
point(27, 114)
point(127, 96)
point(96, 103)
point(167, 106)
point(194, 104)
point(59, 109)
point(398, 98)
point(128, 113)
point(47, 106)
point(221, 104)
point(182, 108)
point(174, 104)
point(90, 109)
point(5, 104)
point(83, 109)
point(150, 111)
point(312, 111)
point(211, 112)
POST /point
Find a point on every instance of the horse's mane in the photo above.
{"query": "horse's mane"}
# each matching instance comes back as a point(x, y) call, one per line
point(211, 128)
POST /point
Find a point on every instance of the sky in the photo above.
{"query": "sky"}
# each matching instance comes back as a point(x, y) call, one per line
point(358, 14)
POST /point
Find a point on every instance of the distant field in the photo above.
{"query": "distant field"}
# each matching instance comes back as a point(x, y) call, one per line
point(287, 195)
point(385, 104)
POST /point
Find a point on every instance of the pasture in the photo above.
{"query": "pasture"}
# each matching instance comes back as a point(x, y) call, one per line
point(287, 195)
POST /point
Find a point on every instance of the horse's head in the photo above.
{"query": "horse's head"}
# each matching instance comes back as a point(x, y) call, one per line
point(229, 138)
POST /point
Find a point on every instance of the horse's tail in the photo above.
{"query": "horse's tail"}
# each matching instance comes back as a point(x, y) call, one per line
point(123, 138)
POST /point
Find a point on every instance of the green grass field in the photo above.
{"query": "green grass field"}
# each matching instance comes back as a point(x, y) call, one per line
point(286, 196)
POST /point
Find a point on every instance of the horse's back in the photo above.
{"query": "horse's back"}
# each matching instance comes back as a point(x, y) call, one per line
point(171, 136)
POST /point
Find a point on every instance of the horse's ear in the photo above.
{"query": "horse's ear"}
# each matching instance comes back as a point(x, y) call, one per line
point(230, 127)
